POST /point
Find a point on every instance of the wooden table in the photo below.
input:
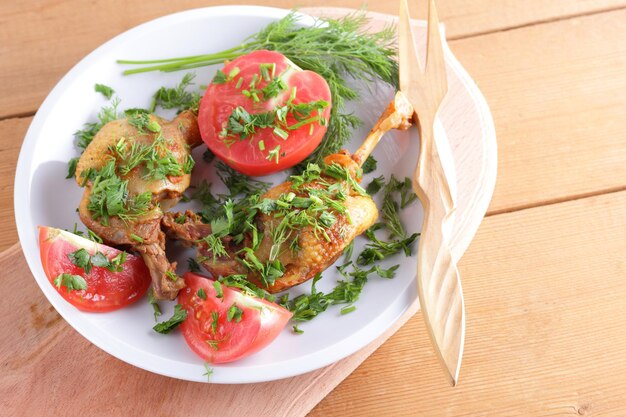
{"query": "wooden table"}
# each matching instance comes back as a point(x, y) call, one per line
point(545, 278)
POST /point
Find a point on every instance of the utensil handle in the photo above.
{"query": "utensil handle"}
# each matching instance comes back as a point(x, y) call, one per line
point(439, 283)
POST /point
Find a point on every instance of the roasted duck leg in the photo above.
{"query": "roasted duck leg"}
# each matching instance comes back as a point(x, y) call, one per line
point(315, 251)
point(133, 170)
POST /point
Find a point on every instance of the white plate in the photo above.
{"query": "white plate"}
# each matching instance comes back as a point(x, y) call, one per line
point(44, 197)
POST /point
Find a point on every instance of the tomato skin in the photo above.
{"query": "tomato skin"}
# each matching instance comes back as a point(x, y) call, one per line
point(106, 290)
point(245, 155)
point(261, 321)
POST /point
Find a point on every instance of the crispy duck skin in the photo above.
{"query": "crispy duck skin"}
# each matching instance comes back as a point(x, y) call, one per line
point(142, 234)
point(315, 253)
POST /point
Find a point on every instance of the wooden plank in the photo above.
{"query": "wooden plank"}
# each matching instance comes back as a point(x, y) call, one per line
point(544, 292)
point(13, 131)
point(49, 358)
point(41, 40)
point(558, 96)
point(548, 151)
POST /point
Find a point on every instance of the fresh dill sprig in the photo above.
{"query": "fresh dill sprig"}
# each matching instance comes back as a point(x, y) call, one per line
point(337, 49)
point(307, 306)
point(107, 114)
point(109, 196)
point(377, 249)
point(178, 98)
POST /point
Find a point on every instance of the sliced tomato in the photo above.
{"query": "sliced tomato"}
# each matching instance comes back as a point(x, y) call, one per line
point(256, 325)
point(251, 154)
point(106, 290)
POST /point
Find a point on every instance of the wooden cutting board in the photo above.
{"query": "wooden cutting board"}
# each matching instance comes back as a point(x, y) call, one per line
point(49, 369)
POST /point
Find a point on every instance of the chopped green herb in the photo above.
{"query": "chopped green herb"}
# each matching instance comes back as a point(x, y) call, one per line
point(107, 114)
point(347, 252)
point(99, 259)
point(178, 97)
point(214, 344)
point(81, 259)
point(215, 246)
point(234, 313)
point(70, 282)
point(171, 275)
point(155, 305)
point(71, 168)
point(375, 186)
point(219, 293)
point(369, 165)
point(188, 164)
point(208, 371)
point(274, 154)
point(104, 90)
point(297, 330)
point(136, 238)
point(109, 197)
point(202, 294)
point(214, 321)
point(378, 250)
point(347, 309)
point(248, 288)
point(164, 327)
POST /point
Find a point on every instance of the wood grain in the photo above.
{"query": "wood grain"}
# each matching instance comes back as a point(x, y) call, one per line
point(559, 119)
point(13, 131)
point(49, 360)
point(438, 280)
point(544, 292)
point(473, 148)
point(40, 40)
point(539, 92)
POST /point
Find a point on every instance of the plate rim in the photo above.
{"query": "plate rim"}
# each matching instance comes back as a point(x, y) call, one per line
point(255, 373)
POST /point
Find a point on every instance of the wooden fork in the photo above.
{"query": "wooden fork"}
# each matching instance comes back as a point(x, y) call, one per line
point(439, 283)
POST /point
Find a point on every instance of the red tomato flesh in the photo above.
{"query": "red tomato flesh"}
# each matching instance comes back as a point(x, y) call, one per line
point(106, 290)
point(227, 341)
point(250, 155)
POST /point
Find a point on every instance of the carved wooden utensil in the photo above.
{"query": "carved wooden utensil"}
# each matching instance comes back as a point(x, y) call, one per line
point(439, 283)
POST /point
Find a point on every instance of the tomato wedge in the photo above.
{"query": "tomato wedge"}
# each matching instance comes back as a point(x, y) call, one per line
point(219, 337)
point(263, 114)
point(106, 290)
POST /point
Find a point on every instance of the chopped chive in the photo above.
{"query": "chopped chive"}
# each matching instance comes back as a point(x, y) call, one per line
point(281, 133)
point(348, 309)
point(233, 73)
point(137, 238)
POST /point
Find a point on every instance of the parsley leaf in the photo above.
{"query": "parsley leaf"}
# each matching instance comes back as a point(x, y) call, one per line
point(81, 259)
point(164, 327)
point(375, 186)
point(369, 165)
point(71, 282)
point(234, 313)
